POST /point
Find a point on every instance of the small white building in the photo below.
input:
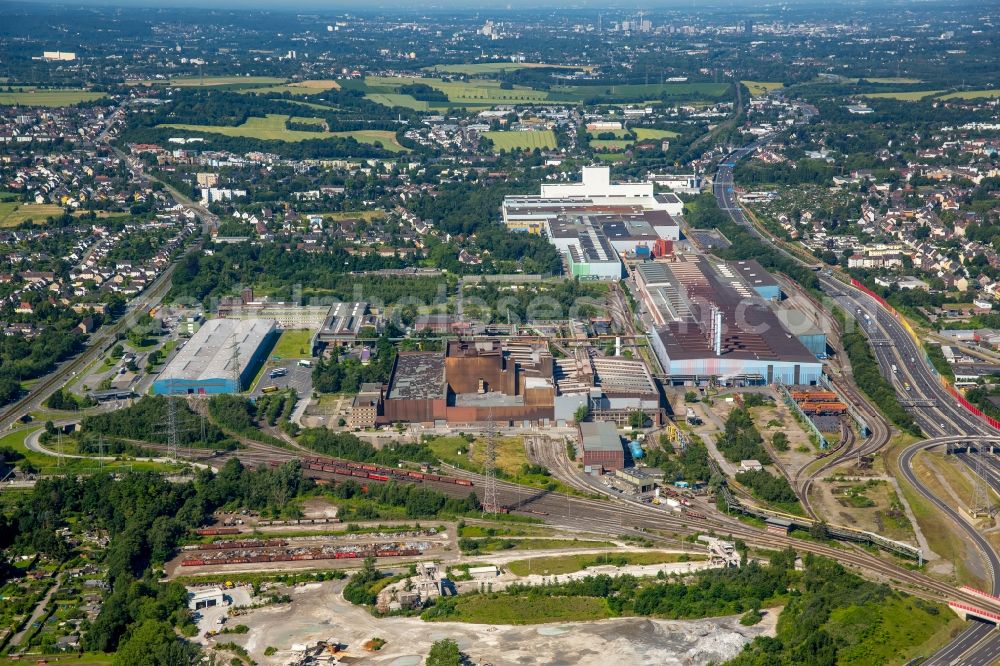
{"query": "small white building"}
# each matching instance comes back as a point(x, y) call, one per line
point(750, 466)
point(480, 573)
point(206, 598)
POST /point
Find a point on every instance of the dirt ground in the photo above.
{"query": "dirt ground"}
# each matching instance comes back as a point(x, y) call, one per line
point(800, 451)
point(832, 499)
point(319, 612)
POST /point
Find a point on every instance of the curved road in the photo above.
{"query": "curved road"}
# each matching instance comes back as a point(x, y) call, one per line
point(934, 409)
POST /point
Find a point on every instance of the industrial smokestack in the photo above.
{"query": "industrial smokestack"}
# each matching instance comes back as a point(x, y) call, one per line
point(717, 331)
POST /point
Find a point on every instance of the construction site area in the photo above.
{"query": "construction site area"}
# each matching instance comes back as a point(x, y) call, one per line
point(310, 622)
point(319, 626)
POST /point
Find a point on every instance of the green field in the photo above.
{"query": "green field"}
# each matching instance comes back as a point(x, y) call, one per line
point(524, 609)
point(487, 92)
point(761, 88)
point(645, 133)
point(564, 564)
point(396, 99)
point(972, 94)
point(53, 98)
point(512, 461)
point(611, 157)
point(892, 80)
point(210, 81)
point(619, 133)
point(509, 141)
point(495, 67)
point(911, 96)
point(610, 144)
point(294, 343)
point(272, 128)
point(499, 544)
point(13, 213)
point(306, 121)
point(307, 87)
point(638, 91)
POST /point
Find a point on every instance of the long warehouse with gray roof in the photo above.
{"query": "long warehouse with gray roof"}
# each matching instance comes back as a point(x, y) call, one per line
point(207, 364)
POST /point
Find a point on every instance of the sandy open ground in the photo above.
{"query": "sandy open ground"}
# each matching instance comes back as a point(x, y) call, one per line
point(319, 612)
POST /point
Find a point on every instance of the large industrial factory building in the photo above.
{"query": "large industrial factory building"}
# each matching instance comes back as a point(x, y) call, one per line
point(514, 383)
point(595, 221)
point(221, 351)
point(714, 323)
point(472, 382)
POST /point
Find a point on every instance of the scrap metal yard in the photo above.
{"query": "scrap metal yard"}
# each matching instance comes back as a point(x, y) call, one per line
point(332, 549)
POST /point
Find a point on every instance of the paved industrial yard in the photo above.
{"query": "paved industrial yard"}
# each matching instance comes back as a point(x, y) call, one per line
point(319, 612)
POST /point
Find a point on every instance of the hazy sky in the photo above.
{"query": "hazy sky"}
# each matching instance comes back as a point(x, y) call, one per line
point(431, 5)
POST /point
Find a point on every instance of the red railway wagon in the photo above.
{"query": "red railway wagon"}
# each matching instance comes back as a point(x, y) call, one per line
point(214, 531)
point(377, 477)
point(695, 514)
point(361, 470)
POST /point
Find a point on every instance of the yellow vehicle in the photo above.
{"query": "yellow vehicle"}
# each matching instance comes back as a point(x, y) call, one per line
point(269, 389)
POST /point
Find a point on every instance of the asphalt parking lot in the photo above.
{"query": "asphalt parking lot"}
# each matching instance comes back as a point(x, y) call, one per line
point(208, 618)
point(298, 378)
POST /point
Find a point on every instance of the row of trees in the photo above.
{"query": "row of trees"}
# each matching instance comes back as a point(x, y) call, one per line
point(348, 446)
point(869, 378)
point(706, 593)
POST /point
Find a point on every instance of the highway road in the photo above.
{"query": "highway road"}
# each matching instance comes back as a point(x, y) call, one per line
point(920, 390)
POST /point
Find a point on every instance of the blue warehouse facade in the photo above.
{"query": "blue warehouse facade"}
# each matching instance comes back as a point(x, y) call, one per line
point(221, 350)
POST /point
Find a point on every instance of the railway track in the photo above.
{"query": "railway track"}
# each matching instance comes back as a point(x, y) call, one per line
point(616, 516)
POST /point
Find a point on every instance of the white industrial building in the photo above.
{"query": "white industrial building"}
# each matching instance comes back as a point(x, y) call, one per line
point(685, 183)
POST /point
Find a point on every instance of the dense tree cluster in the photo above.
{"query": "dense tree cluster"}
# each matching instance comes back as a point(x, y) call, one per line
point(550, 300)
point(470, 210)
point(785, 173)
point(146, 420)
point(690, 465)
point(234, 266)
point(419, 501)
point(65, 400)
point(145, 515)
point(23, 358)
point(741, 440)
point(707, 593)
point(833, 614)
point(335, 375)
point(770, 488)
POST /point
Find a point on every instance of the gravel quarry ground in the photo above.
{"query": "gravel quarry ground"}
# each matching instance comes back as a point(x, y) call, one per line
point(319, 612)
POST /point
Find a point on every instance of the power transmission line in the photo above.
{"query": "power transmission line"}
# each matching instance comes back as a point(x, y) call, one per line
point(490, 503)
